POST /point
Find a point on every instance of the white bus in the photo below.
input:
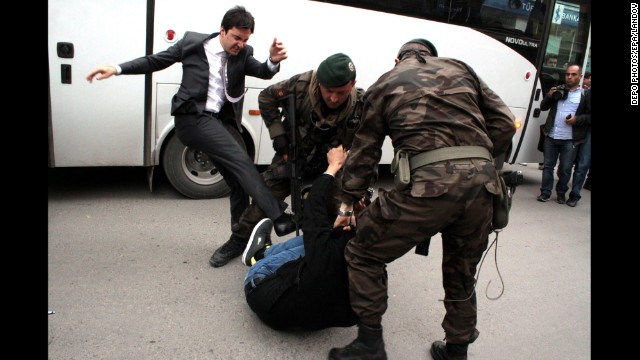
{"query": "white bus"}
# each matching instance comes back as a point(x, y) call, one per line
point(126, 121)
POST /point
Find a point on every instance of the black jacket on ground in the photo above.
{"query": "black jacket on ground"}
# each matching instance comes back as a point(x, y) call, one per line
point(312, 292)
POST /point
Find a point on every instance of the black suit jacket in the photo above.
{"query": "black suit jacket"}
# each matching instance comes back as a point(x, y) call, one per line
point(191, 98)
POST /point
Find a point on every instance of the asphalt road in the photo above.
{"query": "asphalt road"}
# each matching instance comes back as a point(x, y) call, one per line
point(129, 278)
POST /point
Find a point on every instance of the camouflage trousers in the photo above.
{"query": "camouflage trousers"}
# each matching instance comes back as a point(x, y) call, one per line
point(396, 222)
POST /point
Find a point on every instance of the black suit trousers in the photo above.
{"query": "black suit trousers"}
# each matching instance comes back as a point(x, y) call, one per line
point(210, 135)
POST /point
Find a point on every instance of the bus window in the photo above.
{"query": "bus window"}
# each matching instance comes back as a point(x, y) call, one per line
point(509, 15)
point(465, 12)
point(549, 76)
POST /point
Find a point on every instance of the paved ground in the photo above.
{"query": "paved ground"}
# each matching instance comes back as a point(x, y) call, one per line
point(129, 278)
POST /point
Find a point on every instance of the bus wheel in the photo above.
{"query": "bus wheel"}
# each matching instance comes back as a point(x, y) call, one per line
point(191, 173)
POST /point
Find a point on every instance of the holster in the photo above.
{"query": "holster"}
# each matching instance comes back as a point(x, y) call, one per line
point(401, 169)
point(501, 204)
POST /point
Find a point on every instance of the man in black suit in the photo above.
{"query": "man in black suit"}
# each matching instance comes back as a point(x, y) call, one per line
point(209, 102)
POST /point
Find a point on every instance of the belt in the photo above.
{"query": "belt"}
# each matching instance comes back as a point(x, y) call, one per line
point(211, 113)
point(253, 284)
point(449, 153)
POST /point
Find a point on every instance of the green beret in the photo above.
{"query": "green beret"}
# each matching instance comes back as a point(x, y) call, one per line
point(336, 70)
point(423, 42)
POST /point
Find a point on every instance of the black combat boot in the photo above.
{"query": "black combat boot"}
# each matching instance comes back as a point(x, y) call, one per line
point(367, 346)
point(234, 247)
point(447, 351)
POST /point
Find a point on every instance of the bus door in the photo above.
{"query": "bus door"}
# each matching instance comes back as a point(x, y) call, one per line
point(98, 124)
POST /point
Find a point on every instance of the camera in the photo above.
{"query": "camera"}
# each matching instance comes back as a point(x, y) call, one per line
point(368, 195)
point(561, 93)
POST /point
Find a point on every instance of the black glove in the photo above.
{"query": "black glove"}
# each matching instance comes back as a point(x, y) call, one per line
point(281, 144)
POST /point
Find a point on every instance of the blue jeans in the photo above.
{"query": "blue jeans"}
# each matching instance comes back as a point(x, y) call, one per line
point(566, 152)
point(583, 163)
point(274, 257)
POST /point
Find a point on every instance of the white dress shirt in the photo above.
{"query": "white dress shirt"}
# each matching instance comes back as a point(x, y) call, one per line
point(215, 55)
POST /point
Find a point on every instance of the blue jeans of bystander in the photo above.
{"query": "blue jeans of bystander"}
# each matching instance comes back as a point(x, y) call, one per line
point(554, 150)
point(583, 163)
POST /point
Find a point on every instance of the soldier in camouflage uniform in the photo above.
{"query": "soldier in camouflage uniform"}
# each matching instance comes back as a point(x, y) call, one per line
point(424, 103)
point(327, 111)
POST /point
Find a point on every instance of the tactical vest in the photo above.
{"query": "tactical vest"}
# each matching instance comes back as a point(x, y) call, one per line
point(312, 141)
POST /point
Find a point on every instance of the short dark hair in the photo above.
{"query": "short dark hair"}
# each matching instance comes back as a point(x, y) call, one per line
point(550, 56)
point(587, 74)
point(238, 17)
point(574, 64)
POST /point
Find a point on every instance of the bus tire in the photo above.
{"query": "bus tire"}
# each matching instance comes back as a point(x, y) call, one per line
point(191, 173)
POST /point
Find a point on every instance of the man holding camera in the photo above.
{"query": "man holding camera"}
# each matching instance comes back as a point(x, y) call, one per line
point(565, 128)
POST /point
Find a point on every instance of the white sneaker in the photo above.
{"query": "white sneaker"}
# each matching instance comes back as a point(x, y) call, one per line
point(260, 238)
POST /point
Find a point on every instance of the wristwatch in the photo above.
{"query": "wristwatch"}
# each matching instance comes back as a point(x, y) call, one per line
point(345, 213)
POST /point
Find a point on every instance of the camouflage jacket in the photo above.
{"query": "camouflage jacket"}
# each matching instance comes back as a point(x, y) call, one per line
point(422, 107)
point(318, 129)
